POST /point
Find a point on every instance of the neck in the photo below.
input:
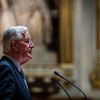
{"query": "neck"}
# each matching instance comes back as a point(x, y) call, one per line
point(15, 56)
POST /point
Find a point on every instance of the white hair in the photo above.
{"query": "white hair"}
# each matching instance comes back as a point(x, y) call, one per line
point(12, 33)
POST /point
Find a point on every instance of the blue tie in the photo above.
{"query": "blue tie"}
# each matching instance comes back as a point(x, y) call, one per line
point(22, 75)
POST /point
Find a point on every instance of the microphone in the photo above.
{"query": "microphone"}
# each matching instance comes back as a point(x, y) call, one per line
point(61, 87)
point(56, 73)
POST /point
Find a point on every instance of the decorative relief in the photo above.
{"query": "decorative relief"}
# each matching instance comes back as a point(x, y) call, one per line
point(36, 16)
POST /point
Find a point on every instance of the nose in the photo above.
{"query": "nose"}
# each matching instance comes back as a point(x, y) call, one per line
point(32, 45)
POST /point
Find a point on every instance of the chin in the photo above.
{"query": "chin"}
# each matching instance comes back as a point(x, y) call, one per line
point(29, 56)
point(26, 60)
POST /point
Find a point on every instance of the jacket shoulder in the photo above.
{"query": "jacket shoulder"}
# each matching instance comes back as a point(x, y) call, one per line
point(4, 66)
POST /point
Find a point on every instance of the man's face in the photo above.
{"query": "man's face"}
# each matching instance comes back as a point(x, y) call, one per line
point(25, 46)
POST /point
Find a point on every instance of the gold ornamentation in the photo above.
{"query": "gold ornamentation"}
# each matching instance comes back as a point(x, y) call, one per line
point(95, 78)
point(95, 75)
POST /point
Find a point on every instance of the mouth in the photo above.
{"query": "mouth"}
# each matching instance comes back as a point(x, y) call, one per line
point(30, 52)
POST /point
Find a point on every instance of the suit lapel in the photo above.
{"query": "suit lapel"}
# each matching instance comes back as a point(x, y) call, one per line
point(21, 80)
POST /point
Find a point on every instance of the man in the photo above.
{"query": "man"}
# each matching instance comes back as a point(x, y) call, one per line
point(17, 49)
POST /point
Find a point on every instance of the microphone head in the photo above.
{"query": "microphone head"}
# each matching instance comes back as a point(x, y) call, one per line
point(52, 79)
point(56, 73)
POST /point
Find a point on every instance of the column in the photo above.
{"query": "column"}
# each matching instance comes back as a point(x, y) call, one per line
point(66, 43)
point(84, 41)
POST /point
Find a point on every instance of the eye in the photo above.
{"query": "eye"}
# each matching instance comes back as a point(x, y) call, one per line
point(27, 41)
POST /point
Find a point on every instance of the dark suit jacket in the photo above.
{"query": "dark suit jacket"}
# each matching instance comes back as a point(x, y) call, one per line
point(12, 86)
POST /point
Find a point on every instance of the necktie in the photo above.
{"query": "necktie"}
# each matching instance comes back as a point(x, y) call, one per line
point(22, 74)
point(23, 77)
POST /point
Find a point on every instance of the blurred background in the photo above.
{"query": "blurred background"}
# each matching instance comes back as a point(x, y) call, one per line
point(66, 34)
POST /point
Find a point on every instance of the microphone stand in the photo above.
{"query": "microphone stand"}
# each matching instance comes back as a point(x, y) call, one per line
point(56, 73)
point(61, 87)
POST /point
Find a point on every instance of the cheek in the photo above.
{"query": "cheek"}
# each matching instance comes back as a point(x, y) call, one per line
point(24, 47)
point(23, 50)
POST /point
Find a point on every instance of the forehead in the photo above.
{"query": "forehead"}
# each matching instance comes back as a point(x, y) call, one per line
point(26, 35)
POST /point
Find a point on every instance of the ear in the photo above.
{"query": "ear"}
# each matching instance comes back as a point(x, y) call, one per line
point(14, 45)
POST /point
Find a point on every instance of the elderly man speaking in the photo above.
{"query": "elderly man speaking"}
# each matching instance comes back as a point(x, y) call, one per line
point(17, 50)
